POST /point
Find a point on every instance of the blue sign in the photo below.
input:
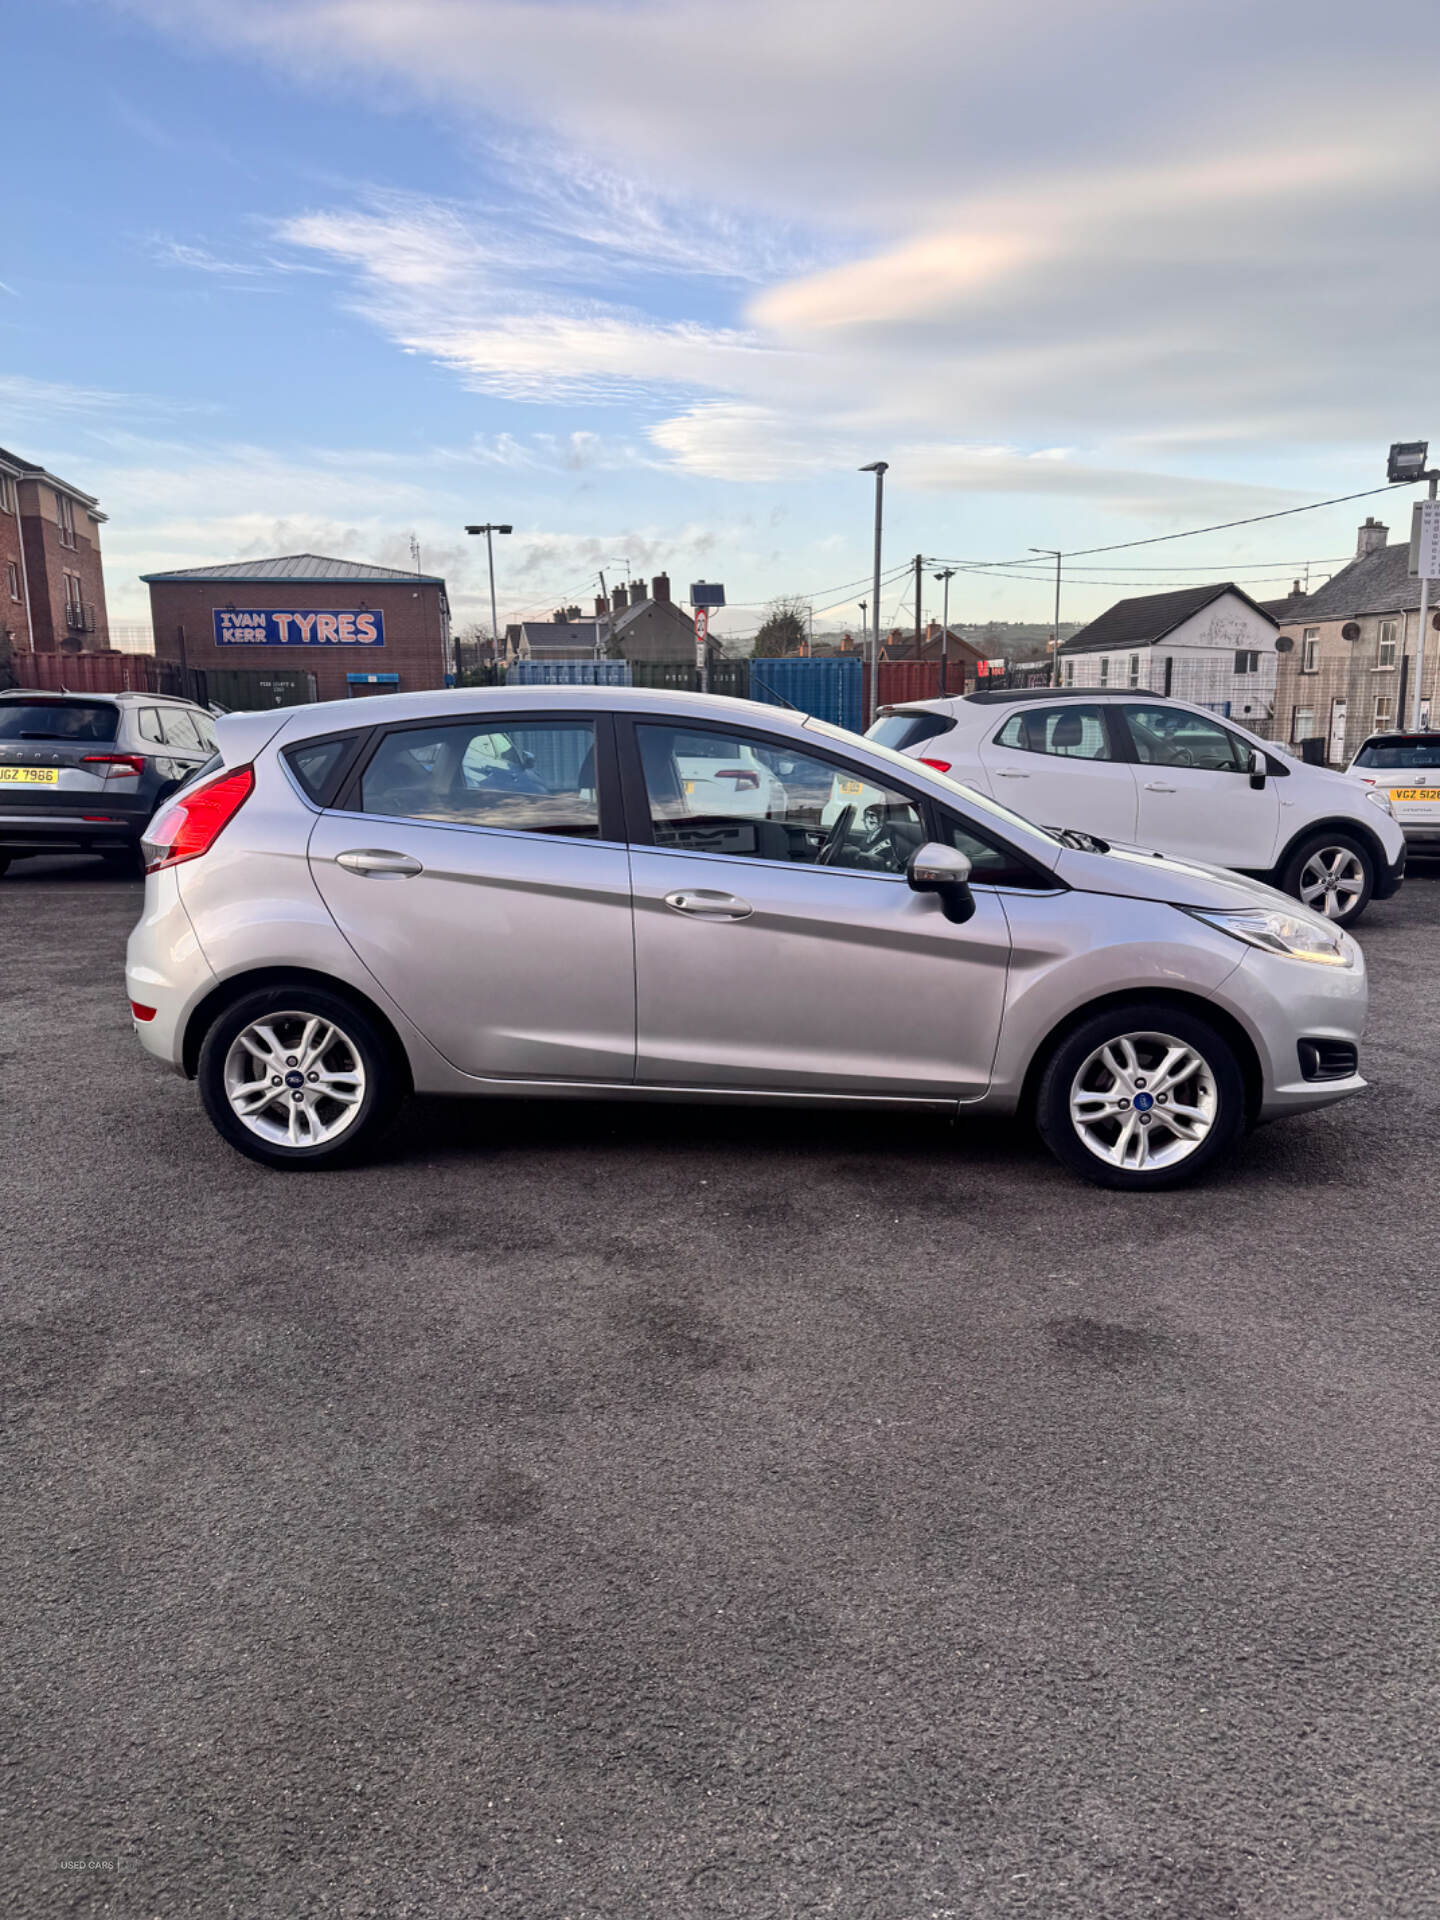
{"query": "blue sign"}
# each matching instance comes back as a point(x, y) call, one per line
point(274, 627)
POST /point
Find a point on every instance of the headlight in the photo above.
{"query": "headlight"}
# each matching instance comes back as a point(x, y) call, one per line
point(1378, 797)
point(1275, 931)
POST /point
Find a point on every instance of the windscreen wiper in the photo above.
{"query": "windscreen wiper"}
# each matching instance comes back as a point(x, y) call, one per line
point(1080, 841)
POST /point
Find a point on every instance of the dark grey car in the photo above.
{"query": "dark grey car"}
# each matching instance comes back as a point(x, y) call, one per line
point(83, 772)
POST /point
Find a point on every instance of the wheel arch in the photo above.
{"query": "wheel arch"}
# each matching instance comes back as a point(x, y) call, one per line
point(1338, 823)
point(237, 985)
point(1246, 1053)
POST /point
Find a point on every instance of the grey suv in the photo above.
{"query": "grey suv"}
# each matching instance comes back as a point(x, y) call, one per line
point(83, 772)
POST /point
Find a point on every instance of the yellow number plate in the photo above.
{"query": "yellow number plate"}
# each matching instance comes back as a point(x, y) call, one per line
point(29, 777)
point(851, 786)
point(689, 785)
point(1415, 793)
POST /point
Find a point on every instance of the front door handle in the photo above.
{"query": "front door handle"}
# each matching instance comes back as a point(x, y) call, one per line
point(1157, 786)
point(379, 860)
point(706, 905)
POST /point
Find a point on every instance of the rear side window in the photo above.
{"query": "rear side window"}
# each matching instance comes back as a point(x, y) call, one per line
point(58, 720)
point(1421, 751)
point(526, 776)
point(180, 730)
point(1073, 732)
point(901, 730)
point(319, 765)
point(150, 727)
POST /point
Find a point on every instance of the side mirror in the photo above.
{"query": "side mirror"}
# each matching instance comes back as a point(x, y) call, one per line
point(1259, 767)
point(944, 871)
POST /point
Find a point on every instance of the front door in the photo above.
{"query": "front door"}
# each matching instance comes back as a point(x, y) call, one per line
point(1057, 766)
point(1195, 793)
point(472, 875)
point(788, 951)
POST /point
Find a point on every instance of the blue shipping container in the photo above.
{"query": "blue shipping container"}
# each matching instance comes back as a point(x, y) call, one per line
point(828, 689)
point(568, 673)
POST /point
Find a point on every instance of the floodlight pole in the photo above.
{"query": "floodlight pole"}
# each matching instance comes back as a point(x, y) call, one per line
point(1058, 556)
point(879, 468)
point(1416, 700)
point(947, 576)
point(490, 528)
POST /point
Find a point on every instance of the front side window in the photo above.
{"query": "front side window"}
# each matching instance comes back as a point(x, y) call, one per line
point(1073, 732)
point(1389, 642)
point(527, 776)
point(1170, 737)
point(760, 799)
point(1310, 650)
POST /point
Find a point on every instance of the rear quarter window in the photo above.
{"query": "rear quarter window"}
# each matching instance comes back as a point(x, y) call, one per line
point(321, 765)
point(901, 730)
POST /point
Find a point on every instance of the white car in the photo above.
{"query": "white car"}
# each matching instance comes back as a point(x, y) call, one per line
point(1135, 769)
point(1406, 766)
point(719, 780)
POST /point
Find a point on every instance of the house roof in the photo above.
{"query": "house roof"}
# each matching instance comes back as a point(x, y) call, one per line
point(545, 635)
point(1378, 582)
point(314, 568)
point(1144, 621)
point(31, 470)
point(628, 615)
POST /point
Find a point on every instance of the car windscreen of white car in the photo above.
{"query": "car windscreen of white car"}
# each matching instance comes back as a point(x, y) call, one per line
point(979, 802)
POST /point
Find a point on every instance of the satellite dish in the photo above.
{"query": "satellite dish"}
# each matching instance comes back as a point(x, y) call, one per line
point(1435, 621)
point(1350, 630)
point(1284, 644)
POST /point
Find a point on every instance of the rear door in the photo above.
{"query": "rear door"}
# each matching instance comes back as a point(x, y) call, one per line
point(1196, 799)
point(1061, 766)
point(478, 869)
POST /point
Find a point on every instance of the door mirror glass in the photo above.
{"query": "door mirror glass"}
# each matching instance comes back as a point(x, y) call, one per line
point(944, 871)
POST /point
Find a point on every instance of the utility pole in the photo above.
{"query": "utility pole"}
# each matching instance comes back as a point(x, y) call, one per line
point(919, 578)
point(946, 576)
point(1057, 556)
point(864, 631)
point(1415, 698)
point(610, 618)
point(879, 468)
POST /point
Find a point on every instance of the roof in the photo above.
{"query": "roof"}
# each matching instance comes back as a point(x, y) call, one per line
point(1143, 621)
point(314, 568)
point(621, 620)
point(31, 470)
point(1378, 582)
point(542, 634)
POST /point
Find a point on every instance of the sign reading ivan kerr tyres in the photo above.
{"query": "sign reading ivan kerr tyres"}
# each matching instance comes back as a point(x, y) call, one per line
point(269, 627)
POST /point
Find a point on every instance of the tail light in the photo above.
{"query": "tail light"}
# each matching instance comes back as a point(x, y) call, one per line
point(742, 776)
point(940, 766)
point(191, 825)
point(116, 765)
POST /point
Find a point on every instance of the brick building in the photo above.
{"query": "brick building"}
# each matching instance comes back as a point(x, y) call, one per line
point(52, 589)
point(1349, 667)
point(633, 624)
point(359, 629)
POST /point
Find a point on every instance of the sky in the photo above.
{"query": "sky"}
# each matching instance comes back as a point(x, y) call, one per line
point(651, 281)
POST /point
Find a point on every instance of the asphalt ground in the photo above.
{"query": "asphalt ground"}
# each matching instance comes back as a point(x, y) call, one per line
point(656, 1514)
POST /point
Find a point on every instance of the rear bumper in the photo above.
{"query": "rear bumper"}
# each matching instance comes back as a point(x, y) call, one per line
point(77, 828)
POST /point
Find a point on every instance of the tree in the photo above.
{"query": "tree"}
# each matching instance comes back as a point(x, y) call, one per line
point(783, 629)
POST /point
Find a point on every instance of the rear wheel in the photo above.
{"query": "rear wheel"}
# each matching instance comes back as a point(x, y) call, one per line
point(1333, 874)
point(1143, 1095)
point(297, 1077)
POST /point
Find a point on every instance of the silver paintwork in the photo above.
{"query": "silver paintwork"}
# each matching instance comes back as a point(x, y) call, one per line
point(517, 963)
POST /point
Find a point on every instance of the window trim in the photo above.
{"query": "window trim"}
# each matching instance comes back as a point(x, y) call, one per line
point(607, 788)
point(931, 808)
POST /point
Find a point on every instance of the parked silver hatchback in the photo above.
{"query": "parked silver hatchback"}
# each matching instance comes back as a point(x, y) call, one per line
point(524, 892)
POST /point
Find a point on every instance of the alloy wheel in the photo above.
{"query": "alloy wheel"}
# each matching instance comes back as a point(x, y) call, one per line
point(1332, 880)
point(294, 1079)
point(1143, 1100)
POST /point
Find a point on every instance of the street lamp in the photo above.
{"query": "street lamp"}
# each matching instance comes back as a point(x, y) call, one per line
point(1407, 462)
point(879, 468)
point(492, 527)
point(947, 576)
point(1057, 556)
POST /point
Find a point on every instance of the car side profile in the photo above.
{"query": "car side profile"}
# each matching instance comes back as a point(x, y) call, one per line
point(530, 892)
point(1140, 769)
point(83, 772)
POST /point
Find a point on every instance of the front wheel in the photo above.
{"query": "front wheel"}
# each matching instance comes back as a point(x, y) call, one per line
point(1333, 874)
point(297, 1077)
point(1143, 1095)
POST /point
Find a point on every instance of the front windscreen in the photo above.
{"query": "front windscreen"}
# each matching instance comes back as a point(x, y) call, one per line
point(58, 720)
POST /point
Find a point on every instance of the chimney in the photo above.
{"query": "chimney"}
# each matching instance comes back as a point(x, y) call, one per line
point(600, 607)
point(572, 614)
point(1371, 538)
point(638, 592)
point(660, 588)
point(619, 598)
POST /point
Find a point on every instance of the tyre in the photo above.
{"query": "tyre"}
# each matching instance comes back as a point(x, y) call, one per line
point(1333, 874)
point(4, 864)
point(297, 1077)
point(1142, 1095)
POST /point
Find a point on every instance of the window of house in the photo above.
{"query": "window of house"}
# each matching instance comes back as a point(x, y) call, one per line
point(7, 494)
point(65, 519)
point(1310, 650)
point(1134, 669)
point(1247, 660)
point(1069, 673)
point(538, 777)
point(1384, 713)
point(1105, 670)
point(1389, 643)
point(1302, 724)
point(12, 575)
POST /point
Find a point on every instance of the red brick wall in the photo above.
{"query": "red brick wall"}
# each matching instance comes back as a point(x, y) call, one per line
point(414, 629)
point(12, 612)
point(49, 559)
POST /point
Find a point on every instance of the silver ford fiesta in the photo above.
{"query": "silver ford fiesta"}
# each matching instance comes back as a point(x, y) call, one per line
point(533, 891)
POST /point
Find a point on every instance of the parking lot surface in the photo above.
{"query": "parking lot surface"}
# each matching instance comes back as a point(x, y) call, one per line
point(664, 1513)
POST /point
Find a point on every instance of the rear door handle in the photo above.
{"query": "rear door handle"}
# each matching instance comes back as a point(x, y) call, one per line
point(379, 860)
point(1012, 773)
point(706, 905)
point(1157, 786)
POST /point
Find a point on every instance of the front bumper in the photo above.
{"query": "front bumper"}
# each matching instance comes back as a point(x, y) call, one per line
point(1282, 1002)
point(1422, 834)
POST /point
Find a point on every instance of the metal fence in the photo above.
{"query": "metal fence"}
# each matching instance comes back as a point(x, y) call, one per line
point(568, 673)
point(230, 689)
point(829, 689)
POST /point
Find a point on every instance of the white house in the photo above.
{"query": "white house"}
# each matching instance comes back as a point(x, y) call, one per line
point(1212, 645)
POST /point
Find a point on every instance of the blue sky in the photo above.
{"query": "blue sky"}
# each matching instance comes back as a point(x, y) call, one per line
point(652, 281)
